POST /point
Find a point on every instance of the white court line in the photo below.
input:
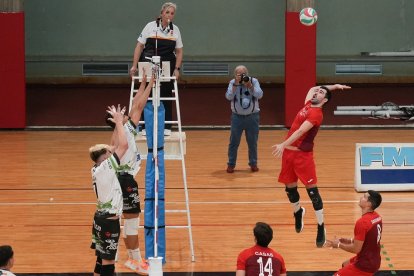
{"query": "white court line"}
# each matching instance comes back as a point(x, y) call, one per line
point(202, 202)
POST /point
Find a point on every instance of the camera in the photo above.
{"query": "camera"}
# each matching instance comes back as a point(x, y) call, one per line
point(244, 78)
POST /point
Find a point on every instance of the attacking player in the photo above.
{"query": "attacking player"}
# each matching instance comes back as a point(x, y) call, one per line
point(297, 156)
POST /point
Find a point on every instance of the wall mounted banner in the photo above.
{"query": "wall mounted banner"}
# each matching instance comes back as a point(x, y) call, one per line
point(384, 167)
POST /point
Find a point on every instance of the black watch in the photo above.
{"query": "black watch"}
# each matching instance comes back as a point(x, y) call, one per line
point(177, 68)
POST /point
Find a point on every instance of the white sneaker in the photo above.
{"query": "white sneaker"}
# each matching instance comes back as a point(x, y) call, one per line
point(138, 267)
point(143, 268)
point(167, 132)
point(131, 264)
point(143, 132)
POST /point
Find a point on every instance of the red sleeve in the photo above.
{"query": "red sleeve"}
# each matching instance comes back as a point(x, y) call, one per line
point(283, 268)
point(241, 260)
point(360, 229)
point(315, 116)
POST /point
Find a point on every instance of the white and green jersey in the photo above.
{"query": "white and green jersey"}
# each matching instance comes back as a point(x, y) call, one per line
point(107, 188)
point(131, 161)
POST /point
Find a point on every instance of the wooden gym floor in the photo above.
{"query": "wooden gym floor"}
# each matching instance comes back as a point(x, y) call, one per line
point(47, 203)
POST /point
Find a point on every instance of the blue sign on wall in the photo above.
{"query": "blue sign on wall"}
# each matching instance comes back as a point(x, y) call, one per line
point(385, 166)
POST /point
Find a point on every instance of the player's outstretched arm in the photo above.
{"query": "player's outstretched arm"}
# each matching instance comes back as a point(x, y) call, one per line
point(279, 148)
point(331, 87)
point(334, 87)
point(114, 138)
point(141, 99)
point(117, 118)
point(132, 113)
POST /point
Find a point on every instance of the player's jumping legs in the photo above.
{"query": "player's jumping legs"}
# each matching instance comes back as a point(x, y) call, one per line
point(130, 235)
point(108, 267)
point(317, 203)
point(98, 267)
point(298, 211)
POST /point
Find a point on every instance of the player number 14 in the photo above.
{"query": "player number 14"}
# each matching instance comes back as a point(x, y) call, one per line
point(267, 267)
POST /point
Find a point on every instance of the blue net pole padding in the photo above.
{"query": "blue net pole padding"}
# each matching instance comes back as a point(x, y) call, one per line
point(154, 217)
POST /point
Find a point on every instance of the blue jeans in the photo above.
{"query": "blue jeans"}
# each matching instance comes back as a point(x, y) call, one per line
point(250, 124)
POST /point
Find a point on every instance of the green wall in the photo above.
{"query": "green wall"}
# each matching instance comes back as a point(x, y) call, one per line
point(63, 34)
point(110, 28)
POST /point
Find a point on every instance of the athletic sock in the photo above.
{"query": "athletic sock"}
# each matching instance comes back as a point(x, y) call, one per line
point(319, 216)
point(295, 206)
point(135, 254)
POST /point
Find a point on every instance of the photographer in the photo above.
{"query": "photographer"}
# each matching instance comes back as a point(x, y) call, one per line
point(244, 93)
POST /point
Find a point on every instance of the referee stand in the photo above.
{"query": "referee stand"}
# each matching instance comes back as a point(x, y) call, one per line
point(174, 145)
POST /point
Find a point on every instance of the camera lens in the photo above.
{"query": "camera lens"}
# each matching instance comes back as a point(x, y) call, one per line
point(245, 78)
point(246, 93)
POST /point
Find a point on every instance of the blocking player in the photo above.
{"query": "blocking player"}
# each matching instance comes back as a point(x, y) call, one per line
point(106, 226)
point(128, 169)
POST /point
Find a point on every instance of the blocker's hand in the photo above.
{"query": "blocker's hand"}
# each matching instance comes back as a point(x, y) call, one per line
point(117, 113)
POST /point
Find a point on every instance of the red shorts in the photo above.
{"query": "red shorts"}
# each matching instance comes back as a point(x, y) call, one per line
point(352, 270)
point(297, 165)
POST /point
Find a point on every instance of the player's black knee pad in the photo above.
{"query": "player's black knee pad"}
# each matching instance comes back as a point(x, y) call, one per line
point(292, 194)
point(316, 198)
point(98, 265)
point(108, 270)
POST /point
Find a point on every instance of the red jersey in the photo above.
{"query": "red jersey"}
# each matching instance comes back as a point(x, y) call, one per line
point(259, 260)
point(368, 229)
point(308, 113)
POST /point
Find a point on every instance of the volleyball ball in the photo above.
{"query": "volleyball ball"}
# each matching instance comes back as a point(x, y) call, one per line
point(308, 16)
